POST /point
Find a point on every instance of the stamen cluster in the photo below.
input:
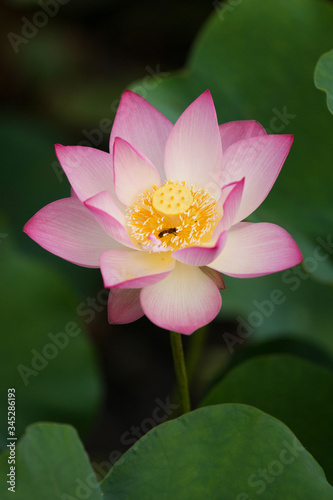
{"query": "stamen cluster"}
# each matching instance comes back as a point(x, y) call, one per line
point(193, 226)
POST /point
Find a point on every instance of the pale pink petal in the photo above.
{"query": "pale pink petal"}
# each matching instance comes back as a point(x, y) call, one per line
point(67, 229)
point(183, 302)
point(242, 129)
point(233, 194)
point(108, 215)
point(259, 160)
point(133, 172)
point(231, 197)
point(104, 201)
point(257, 249)
point(193, 151)
point(145, 128)
point(124, 306)
point(201, 255)
point(88, 170)
point(134, 269)
point(215, 276)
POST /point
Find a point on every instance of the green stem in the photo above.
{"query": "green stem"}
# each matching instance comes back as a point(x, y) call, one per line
point(180, 369)
point(194, 354)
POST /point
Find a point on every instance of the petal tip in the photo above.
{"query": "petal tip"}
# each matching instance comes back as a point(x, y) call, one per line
point(30, 226)
point(130, 95)
point(26, 227)
point(298, 256)
point(206, 95)
point(290, 137)
point(58, 149)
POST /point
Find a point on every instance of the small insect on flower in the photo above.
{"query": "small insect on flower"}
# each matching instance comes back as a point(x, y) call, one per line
point(171, 230)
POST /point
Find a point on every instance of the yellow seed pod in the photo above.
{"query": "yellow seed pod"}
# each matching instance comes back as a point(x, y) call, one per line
point(172, 199)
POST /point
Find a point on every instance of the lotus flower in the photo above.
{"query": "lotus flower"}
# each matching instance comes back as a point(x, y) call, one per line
point(161, 213)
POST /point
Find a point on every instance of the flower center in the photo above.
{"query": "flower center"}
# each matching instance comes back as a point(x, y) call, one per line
point(172, 199)
point(173, 216)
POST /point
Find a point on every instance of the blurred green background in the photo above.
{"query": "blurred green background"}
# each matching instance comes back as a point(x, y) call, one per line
point(61, 83)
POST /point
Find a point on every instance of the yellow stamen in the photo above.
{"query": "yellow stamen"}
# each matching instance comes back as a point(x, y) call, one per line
point(176, 215)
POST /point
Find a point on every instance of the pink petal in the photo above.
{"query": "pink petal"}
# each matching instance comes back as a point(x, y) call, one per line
point(124, 306)
point(104, 201)
point(201, 255)
point(257, 249)
point(235, 131)
point(108, 215)
point(88, 170)
point(133, 173)
point(134, 269)
point(67, 229)
point(231, 197)
point(259, 160)
point(193, 151)
point(215, 276)
point(183, 302)
point(145, 128)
